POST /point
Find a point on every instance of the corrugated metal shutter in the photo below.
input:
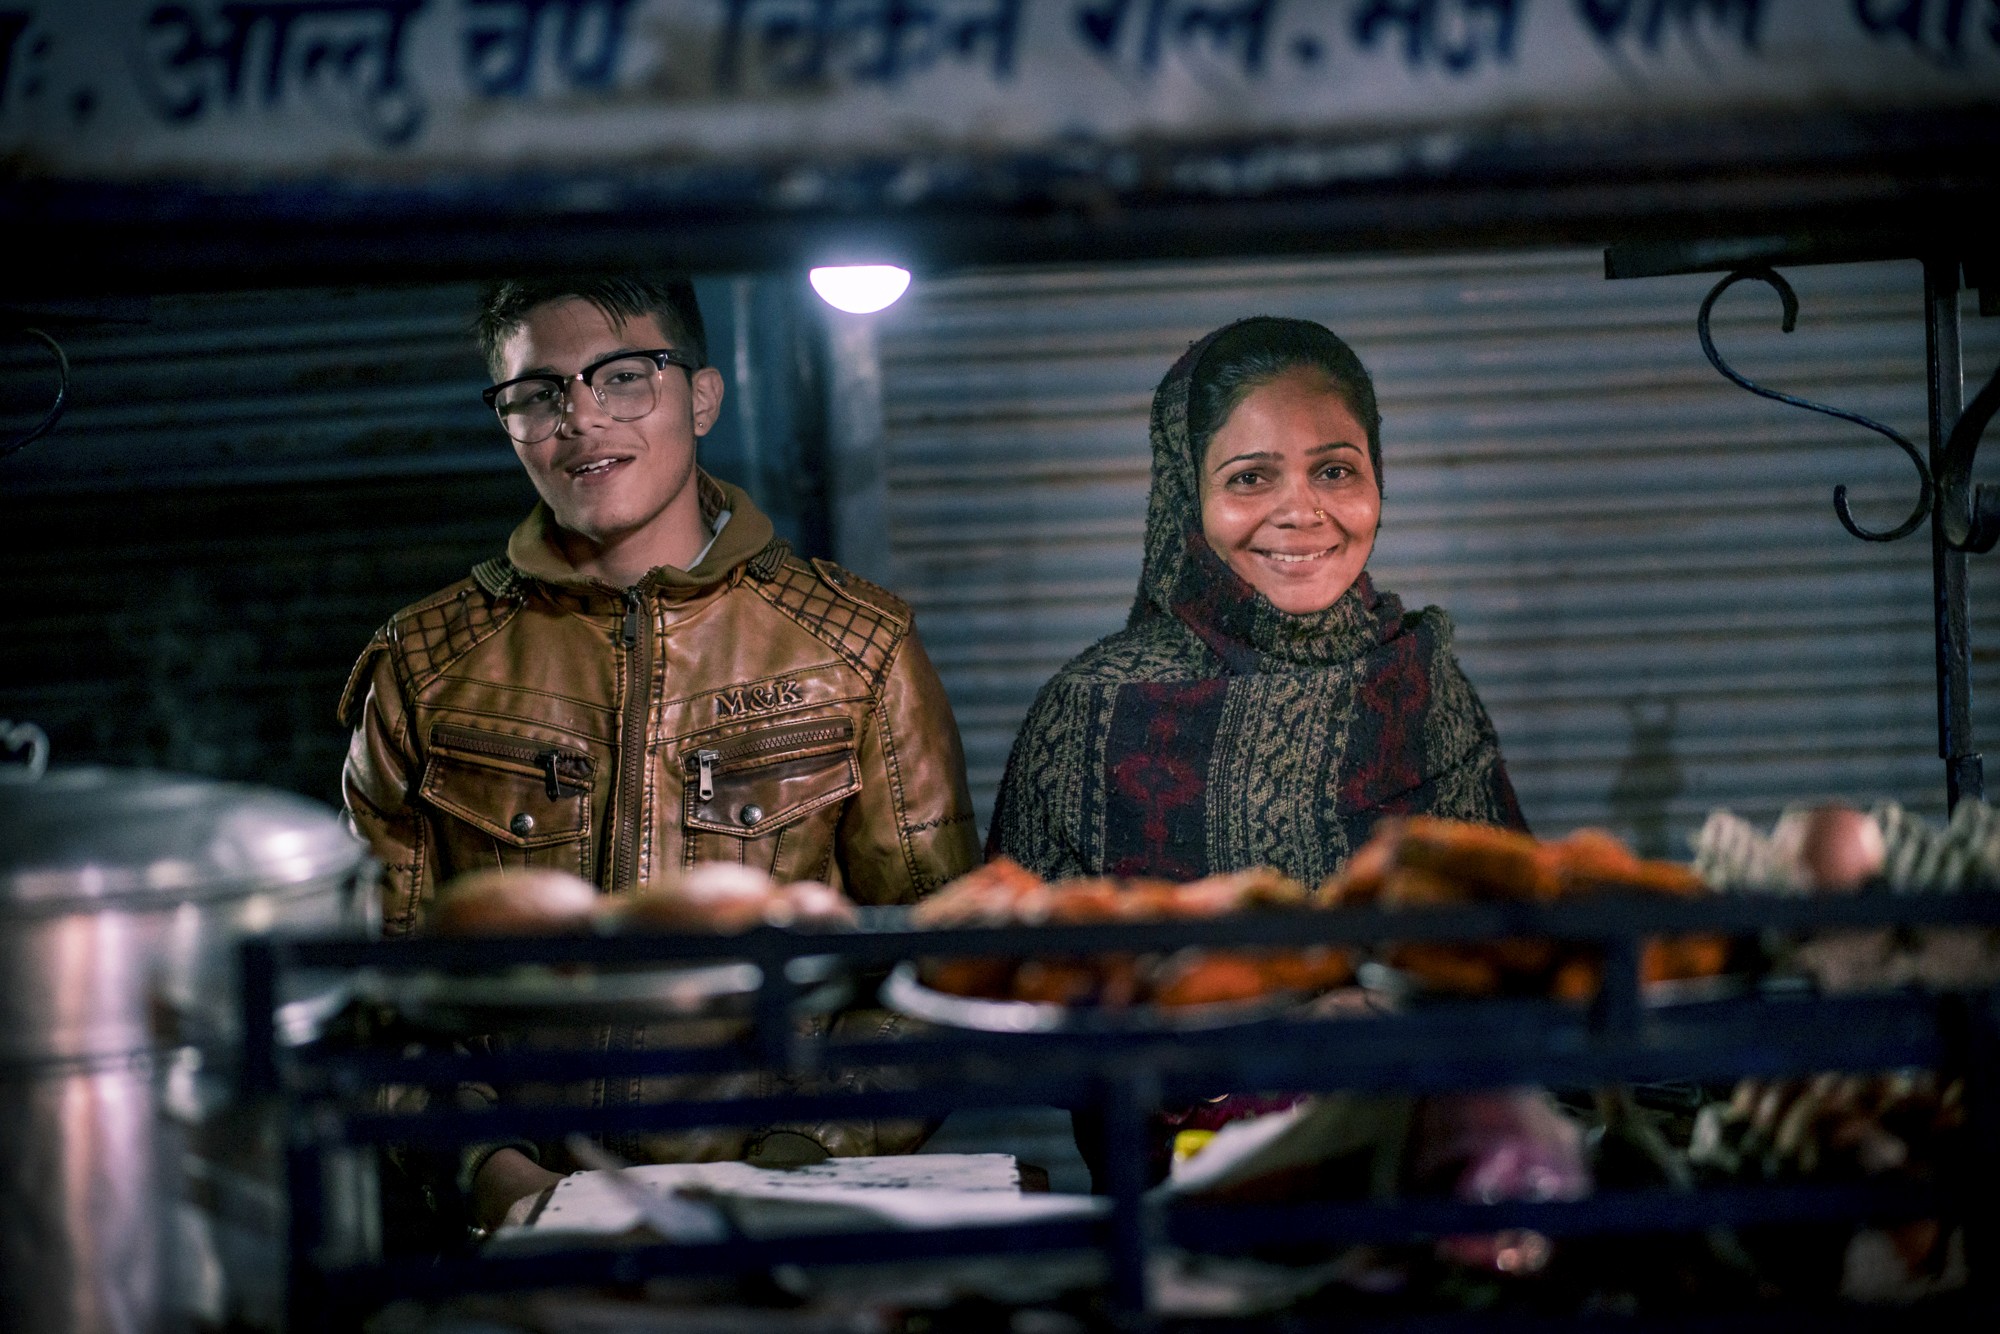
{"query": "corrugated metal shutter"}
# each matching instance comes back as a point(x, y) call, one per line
point(248, 484)
point(302, 386)
point(245, 487)
point(249, 388)
point(1650, 587)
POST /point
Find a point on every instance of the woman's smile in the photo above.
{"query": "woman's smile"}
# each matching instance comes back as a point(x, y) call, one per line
point(1295, 557)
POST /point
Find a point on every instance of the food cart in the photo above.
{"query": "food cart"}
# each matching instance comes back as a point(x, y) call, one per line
point(1120, 1067)
point(240, 146)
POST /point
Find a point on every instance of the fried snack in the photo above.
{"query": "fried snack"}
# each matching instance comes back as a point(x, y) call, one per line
point(1366, 876)
point(1091, 901)
point(1055, 982)
point(1424, 861)
point(1414, 887)
point(1233, 891)
point(1577, 979)
point(528, 902)
point(1595, 857)
point(1661, 878)
point(1488, 862)
point(992, 979)
point(1003, 892)
point(1675, 959)
point(999, 892)
point(1122, 980)
point(1320, 968)
point(1461, 970)
point(1194, 977)
point(1679, 958)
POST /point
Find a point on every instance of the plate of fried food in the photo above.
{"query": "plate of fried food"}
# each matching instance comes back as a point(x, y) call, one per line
point(1181, 989)
point(708, 898)
point(1423, 861)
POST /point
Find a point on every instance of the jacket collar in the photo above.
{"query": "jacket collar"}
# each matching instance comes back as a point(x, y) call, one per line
point(533, 554)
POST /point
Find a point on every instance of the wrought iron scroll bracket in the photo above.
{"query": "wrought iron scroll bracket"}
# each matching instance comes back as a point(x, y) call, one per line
point(1769, 276)
point(1970, 514)
point(16, 443)
point(24, 752)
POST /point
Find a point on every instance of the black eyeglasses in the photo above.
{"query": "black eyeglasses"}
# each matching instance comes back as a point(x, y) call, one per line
point(625, 385)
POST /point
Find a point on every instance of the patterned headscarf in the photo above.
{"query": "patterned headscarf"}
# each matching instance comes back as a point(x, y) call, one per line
point(1186, 578)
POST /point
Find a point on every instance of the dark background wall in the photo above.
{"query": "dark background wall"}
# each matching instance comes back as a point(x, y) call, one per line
point(247, 485)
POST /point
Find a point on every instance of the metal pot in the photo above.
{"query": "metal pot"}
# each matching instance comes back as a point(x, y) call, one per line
point(122, 896)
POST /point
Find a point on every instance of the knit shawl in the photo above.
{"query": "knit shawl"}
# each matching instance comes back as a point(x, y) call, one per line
point(1217, 732)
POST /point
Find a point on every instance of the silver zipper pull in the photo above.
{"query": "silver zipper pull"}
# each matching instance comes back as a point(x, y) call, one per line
point(706, 760)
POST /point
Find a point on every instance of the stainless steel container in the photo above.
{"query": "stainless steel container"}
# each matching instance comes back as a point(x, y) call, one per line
point(122, 896)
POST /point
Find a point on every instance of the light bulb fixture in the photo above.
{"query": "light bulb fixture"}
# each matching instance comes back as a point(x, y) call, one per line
point(860, 289)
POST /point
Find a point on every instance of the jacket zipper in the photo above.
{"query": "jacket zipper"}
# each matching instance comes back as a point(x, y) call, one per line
point(757, 744)
point(637, 635)
point(560, 768)
point(781, 738)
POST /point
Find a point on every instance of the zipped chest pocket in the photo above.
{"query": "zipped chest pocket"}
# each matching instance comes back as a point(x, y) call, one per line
point(520, 792)
point(753, 783)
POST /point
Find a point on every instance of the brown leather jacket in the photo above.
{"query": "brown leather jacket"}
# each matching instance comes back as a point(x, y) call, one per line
point(758, 708)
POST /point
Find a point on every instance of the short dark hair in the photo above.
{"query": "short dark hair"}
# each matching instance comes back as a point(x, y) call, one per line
point(668, 298)
point(1256, 351)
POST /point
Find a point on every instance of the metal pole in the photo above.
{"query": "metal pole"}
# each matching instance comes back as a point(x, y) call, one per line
point(1982, 1105)
point(1963, 771)
point(1126, 1095)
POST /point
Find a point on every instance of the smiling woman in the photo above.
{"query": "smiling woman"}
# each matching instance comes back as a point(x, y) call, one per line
point(1266, 704)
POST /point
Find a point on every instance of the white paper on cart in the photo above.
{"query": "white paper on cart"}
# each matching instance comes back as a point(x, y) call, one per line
point(1311, 1131)
point(842, 1194)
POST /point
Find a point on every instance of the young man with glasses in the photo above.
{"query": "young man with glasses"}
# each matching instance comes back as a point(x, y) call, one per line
point(647, 678)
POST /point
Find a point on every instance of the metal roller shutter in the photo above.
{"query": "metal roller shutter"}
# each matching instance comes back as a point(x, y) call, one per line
point(247, 484)
point(1650, 587)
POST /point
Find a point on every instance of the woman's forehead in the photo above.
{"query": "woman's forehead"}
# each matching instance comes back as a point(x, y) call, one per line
point(1299, 410)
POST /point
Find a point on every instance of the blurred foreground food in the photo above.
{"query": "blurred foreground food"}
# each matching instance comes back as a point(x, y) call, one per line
point(1423, 861)
point(709, 896)
point(1004, 893)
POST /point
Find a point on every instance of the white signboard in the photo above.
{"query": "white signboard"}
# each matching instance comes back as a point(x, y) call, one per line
point(386, 91)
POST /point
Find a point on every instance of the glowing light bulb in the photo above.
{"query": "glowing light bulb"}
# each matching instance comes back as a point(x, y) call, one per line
point(860, 289)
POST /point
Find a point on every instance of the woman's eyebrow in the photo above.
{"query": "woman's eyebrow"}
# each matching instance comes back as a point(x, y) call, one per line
point(1265, 455)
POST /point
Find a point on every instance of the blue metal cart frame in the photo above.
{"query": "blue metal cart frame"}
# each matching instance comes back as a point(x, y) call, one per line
point(324, 1092)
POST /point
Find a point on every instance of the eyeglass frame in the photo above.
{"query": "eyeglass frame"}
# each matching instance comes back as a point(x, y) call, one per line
point(662, 357)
